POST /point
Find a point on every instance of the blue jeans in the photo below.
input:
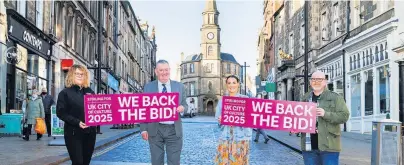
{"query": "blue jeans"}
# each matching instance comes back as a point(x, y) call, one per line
point(317, 157)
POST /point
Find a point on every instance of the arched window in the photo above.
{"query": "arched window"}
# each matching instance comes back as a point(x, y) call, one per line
point(355, 62)
point(210, 50)
point(381, 52)
point(364, 59)
point(371, 56)
point(377, 54)
point(367, 57)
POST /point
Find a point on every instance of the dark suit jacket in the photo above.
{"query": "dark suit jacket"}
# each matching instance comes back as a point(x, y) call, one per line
point(152, 87)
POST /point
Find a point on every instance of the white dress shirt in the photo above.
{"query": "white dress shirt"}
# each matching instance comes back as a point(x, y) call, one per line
point(168, 87)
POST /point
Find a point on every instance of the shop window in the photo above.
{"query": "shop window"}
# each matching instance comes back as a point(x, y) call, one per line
point(356, 95)
point(33, 64)
point(42, 67)
point(20, 87)
point(24, 58)
point(368, 92)
point(384, 89)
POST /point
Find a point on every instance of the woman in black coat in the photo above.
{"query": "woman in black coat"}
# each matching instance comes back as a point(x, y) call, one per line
point(79, 138)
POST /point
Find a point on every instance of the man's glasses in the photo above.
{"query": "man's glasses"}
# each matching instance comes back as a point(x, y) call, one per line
point(317, 79)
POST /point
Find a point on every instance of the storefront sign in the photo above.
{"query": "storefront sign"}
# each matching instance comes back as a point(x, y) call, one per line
point(30, 38)
point(66, 63)
point(113, 83)
point(131, 82)
point(130, 108)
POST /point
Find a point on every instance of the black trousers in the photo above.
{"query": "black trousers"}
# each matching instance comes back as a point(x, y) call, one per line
point(48, 123)
point(27, 132)
point(80, 146)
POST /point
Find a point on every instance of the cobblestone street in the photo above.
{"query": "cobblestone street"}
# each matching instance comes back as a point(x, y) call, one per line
point(199, 149)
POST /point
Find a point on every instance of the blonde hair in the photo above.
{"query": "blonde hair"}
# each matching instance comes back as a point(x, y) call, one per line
point(70, 76)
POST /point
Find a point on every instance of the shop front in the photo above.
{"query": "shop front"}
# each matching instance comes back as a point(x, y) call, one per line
point(369, 86)
point(30, 68)
point(113, 84)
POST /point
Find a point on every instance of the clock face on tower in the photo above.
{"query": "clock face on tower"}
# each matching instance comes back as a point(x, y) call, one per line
point(210, 35)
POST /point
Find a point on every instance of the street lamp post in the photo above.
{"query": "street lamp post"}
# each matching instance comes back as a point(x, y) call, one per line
point(245, 77)
point(306, 47)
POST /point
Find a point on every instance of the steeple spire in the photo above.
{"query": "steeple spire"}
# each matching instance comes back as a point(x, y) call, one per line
point(210, 6)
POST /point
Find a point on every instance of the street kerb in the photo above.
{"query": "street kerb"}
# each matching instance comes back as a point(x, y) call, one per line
point(55, 160)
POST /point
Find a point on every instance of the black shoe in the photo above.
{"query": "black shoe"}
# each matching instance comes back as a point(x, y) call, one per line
point(266, 141)
point(256, 141)
point(49, 135)
point(298, 135)
point(26, 138)
point(99, 133)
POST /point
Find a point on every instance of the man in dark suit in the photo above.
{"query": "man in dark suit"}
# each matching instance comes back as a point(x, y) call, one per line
point(47, 103)
point(165, 134)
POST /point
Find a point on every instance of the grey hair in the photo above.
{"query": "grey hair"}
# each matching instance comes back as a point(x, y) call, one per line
point(162, 62)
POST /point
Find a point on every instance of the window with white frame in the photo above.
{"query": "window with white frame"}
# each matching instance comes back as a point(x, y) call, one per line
point(191, 68)
point(39, 14)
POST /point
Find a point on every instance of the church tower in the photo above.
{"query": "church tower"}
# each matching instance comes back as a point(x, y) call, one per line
point(210, 32)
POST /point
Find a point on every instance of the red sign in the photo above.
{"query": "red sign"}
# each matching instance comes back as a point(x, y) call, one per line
point(269, 114)
point(130, 108)
point(66, 63)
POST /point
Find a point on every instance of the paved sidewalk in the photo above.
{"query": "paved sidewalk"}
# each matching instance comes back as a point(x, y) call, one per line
point(15, 150)
point(356, 148)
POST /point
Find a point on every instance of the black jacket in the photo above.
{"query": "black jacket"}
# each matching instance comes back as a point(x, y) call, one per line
point(47, 103)
point(70, 108)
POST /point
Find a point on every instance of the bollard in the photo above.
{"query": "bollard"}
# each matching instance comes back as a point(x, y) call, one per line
point(386, 142)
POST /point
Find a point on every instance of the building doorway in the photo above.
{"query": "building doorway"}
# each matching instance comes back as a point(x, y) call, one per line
point(209, 108)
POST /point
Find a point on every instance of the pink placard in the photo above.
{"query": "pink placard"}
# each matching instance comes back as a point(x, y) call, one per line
point(269, 114)
point(130, 108)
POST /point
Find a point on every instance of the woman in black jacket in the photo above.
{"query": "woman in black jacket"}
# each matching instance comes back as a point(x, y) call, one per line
point(79, 138)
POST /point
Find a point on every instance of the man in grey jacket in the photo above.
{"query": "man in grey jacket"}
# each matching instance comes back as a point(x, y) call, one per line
point(167, 134)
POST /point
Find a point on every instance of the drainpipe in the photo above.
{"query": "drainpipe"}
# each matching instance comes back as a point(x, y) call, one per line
point(348, 22)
